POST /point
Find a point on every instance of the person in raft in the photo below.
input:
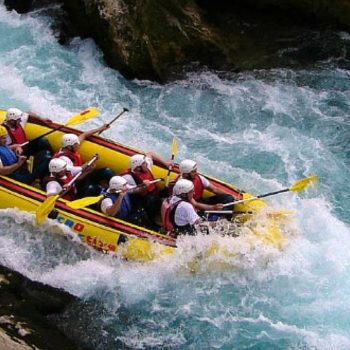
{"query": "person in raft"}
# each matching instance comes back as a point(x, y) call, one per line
point(188, 171)
point(59, 179)
point(178, 214)
point(96, 180)
point(14, 123)
point(118, 202)
point(14, 165)
point(140, 172)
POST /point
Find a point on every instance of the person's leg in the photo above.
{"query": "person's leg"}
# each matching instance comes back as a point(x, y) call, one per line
point(219, 198)
point(152, 206)
point(101, 176)
point(141, 218)
point(23, 175)
point(41, 164)
point(40, 145)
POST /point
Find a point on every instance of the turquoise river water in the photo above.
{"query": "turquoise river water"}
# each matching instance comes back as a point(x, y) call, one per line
point(259, 130)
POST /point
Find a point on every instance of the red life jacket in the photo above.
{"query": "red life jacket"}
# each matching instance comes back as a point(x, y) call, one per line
point(167, 213)
point(73, 156)
point(71, 194)
point(140, 177)
point(198, 186)
point(17, 134)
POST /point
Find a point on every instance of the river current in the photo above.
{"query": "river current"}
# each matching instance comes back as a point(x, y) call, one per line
point(260, 130)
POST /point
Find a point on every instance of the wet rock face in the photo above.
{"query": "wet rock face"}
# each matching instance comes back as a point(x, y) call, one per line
point(21, 6)
point(25, 311)
point(155, 39)
point(148, 39)
point(160, 40)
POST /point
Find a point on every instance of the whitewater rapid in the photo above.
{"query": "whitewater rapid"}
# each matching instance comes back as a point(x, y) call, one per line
point(259, 130)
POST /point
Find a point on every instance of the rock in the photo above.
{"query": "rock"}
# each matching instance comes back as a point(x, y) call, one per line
point(156, 39)
point(21, 6)
point(161, 40)
point(26, 310)
point(148, 40)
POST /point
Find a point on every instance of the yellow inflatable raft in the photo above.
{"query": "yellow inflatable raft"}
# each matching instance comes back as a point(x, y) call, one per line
point(109, 234)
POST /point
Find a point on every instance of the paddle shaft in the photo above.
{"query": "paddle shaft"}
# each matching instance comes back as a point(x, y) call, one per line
point(169, 170)
point(173, 153)
point(76, 119)
point(139, 186)
point(43, 135)
point(70, 183)
point(257, 197)
point(115, 118)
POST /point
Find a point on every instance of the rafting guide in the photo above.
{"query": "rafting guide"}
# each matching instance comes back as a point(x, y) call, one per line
point(13, 164)
point(15, 122)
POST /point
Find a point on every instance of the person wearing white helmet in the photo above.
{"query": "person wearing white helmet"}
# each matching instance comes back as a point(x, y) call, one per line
point(188, 170)
point(14, 165)
point(117, 201)
point(140, 172)
point(15, 122)
point(94, 180)
point(58, 179)
point(178, 214)
point(10, 162)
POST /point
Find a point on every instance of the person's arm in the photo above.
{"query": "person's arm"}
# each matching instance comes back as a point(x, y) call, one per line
point(114, 209)
point(53, 188)
point(202, 206)
point(158, 159)
point(214, 189)
point(89, 133)
point(17, 148)
point(9, 169)
point(33, 117)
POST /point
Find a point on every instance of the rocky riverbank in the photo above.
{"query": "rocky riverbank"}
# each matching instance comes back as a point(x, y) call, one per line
point(162, 40)
point(28, 311)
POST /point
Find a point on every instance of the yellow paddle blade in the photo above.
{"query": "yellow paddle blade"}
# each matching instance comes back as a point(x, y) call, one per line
point(82, 116)
point(45, 208)
point(84, 202)
point(174, 147)
point(301, 184)
point(30, 163)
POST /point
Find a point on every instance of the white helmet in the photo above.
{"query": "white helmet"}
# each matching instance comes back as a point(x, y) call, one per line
point(136, 160)
point(57, 165)
point(187, 165)
point(70, 140)
point(13, 114)
point(183, 186)
point(117, 182)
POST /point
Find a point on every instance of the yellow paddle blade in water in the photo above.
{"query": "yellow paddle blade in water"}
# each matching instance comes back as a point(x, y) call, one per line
point(174, 147)
point(82, 116)
point(301, 184)
point(45, 208)
point(84, 202)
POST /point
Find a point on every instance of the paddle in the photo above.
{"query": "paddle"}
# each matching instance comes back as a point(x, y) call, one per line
point(115, 118)
point(173, 154)
point(297, 187)
point(85, 202)
point(46, 207)
point(76, 119)
point(229, 212)
point(30, 163)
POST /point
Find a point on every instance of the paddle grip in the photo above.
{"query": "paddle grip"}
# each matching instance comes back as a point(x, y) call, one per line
point(115, 118)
